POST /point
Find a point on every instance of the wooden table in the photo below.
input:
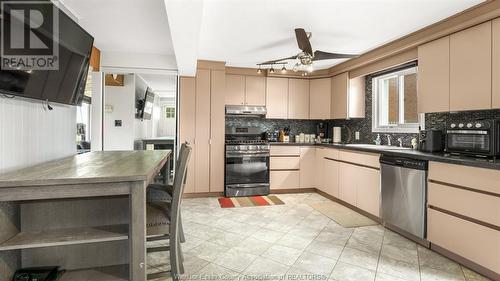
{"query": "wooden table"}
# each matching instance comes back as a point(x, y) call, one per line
point(89, 175)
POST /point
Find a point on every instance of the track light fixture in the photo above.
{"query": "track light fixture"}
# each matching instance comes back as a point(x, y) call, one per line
point(283, 69)
point(271, 70)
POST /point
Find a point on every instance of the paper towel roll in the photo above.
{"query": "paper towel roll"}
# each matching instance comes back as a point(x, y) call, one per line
point(337, 134)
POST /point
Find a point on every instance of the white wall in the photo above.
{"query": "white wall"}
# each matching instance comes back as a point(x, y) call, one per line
point(145, 61)
point(123, 101)
point(96, 112)
point(30, 135)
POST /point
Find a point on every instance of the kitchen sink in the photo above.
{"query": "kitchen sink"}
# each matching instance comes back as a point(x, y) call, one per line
point(378, 147)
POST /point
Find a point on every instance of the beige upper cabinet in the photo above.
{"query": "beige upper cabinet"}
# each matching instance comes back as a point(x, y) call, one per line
point(255, 90)
point(277, 98)
point(496, 63)
point(470, 68)
point(434, 76)
point(298, 99)
point(357, 93)
point(235, 89)
point(320, 96)
point(340, 88)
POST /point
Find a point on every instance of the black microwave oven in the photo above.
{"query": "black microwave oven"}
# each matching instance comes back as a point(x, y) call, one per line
point(475, 138)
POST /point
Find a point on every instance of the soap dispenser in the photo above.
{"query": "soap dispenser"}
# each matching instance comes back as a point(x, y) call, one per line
point(378, 141)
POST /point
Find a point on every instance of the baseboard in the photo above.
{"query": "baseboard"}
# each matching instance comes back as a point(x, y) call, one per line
point(202, 194)
point(354, 208)
point(465, 262)
point(292, 190)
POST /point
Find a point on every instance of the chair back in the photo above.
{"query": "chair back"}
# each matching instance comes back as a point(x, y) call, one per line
point(179, 182)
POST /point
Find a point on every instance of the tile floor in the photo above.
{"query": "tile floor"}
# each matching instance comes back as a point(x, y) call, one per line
point(299, 243)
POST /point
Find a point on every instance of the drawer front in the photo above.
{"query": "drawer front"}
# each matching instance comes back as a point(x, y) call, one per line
point(331, 153)
point(285, 150)
point(472, 241)
point(471, 177)
point(284, 163)
point(360, 158)
point(285, 179)
point(483, 207)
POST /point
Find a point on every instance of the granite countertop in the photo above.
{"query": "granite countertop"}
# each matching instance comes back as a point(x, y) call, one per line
point(410, 153)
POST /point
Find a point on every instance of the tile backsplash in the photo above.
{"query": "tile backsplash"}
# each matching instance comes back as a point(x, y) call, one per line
point(363, 125)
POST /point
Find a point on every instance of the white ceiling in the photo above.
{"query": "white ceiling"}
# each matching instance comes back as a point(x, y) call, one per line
point(162, 85)
point(246, 32)
point(125, 26)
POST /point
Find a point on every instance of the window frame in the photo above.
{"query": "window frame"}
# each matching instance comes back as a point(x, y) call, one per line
point(400, 127)
point(166, 112)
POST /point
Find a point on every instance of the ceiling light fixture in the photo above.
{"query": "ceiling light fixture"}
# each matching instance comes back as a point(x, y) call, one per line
point(310, 68)
point(259, 71)
point(283, 69)
point(271, 70)
point(296, 67)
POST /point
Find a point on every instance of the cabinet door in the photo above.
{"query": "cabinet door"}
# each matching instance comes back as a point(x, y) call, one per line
point(340, 86)
point(356, 101)
point(368, 190)
point(496, 63)
point(347, 183)
point(187, 124)
point(202, 146)
point(470, 68)
point(235, 89)
point(319, 168)
point(320, 98)
point(331, 171)
point(277, 98)
point(434, 76)
point(255, 90)
point(307, 161)
point(298, 99)
point(217, 90)
point(284, 179)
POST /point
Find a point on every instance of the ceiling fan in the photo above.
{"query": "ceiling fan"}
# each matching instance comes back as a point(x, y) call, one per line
point(306, 57)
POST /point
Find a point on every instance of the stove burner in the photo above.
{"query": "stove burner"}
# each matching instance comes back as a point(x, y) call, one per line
point(240, 141)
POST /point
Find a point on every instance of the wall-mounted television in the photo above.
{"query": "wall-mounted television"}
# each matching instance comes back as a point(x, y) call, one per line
point(146, 105)
point(65, 85)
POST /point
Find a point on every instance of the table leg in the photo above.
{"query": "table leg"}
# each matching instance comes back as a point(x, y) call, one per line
point(137, 232)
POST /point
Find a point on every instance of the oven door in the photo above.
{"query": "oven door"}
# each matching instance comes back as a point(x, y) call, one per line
point(247, 173)
point(469, 142)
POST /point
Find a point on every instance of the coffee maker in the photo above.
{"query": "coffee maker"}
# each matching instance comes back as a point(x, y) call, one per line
point(322, 130)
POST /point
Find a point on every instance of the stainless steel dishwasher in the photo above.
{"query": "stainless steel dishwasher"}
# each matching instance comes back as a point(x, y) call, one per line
point(404, 196)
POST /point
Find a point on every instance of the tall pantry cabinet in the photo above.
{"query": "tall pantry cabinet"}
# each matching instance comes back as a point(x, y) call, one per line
point(201, 119)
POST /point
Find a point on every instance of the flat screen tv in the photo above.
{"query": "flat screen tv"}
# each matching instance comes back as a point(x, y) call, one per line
point(65, 85)
point(145, 108)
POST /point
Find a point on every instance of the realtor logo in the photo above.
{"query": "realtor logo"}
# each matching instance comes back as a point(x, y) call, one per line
point(29, 35)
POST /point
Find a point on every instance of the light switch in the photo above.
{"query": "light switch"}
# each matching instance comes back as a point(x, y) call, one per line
point(356, 135)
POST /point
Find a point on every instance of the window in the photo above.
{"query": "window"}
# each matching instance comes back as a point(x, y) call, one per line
point(170, 112)
point(395, 102)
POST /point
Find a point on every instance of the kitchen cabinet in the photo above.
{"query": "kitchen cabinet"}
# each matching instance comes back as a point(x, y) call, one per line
point(284, 166)
point(356, 101)
point(340, 90)
point(255, 90)
point(319, 168)
point(202, 139)
point(368, 190)
point(463, 213)
point(320, 98)
point(284, 163)
point(187, 130)
point(277, 98)
point(307, 164)
point(284, 179)
point(235, 89)
point(347, 183)
point(217, 130)
point(434, 76)
point(331, 177)
point(496, 63)
point(470, 68)
point(298, 99)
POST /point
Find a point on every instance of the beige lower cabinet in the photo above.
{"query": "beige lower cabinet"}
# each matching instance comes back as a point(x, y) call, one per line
point(284, 167)
point(331, 176)
point(319, 169)
point(368, 190)
point(347, 183)
point(464, 213)
point(285, 179)
point(307, 164)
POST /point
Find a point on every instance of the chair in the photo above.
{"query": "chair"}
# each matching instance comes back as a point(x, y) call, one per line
point(164, 215)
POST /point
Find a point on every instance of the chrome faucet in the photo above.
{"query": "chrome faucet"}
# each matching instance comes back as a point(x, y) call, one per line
point(400, 140)
point(388, 140)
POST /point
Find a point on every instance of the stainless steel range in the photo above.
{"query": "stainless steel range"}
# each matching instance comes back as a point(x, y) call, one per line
point(247, 162)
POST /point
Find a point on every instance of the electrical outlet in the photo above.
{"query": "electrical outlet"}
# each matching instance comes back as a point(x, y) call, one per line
point(356, 135)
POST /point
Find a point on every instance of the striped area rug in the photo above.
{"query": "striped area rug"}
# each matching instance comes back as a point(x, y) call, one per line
point(251, 201)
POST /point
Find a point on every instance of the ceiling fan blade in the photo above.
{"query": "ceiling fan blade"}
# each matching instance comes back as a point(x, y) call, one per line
point(278, 61)
point(320, 55)
point(303, 41)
